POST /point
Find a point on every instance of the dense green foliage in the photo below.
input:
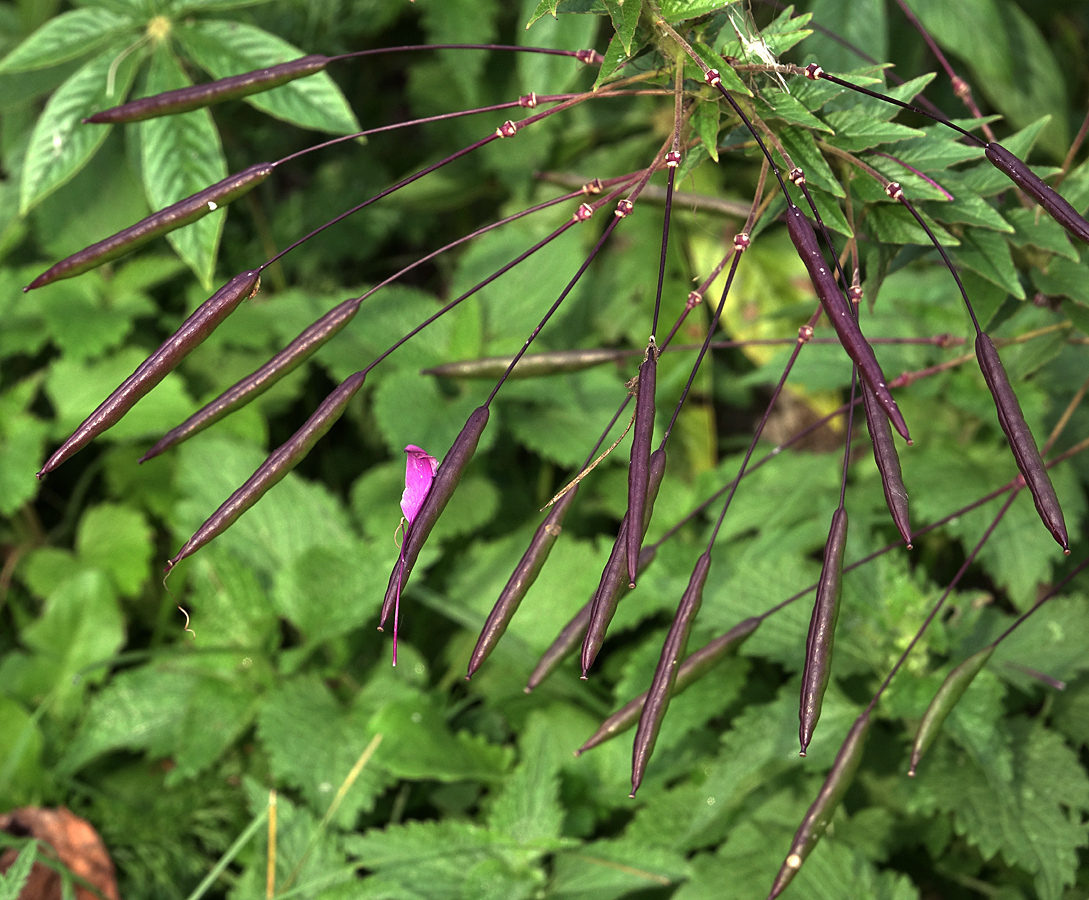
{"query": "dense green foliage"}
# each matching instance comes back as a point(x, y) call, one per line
point(169, 732)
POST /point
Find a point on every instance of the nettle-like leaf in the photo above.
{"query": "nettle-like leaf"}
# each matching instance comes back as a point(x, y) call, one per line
point(182, 155)
point(1035, 820)
point(229, 48)
point(60, 145)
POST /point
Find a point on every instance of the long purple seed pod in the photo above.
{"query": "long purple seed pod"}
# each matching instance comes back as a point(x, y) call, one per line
point(272, 470)
point(888, 463)
point(665, 675)
point(839, 314)
point(822, 630)
point(612, 577)
point(639, 467)
point(157, 366)
point(442, 489)
point(283, 363)
point(520, 581)
point(952, 689)
point(170, 218)
point(1050, 199)
point(1021, 440)
point(695, 665)
point(572, 633)
point(820, 813)
point(198, 96)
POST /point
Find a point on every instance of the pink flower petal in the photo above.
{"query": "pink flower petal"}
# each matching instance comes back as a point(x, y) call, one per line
point(419, 473)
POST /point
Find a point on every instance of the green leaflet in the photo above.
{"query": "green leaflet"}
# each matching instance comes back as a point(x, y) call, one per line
point(181, 155)
point(230, 48)
point(68, 36)
point(60, 145)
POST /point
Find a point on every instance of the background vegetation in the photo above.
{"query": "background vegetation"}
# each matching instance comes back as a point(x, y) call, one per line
point(412, 782)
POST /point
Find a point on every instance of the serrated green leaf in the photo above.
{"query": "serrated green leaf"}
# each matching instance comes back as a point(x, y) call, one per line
point(802, 147)
point(417, 745)
point(528, 809)
point(447, 860)
point(117, 539)
point(544, 8)
point(15, 878)
point(60, 145)
point(783, 106)
point(625, 16)
point(988, 254)
point(613, 58)
point(1063, 278)
point(80, 627)
point(68, 36)
point(230, 48)
point(1034, 820)
point(312, 743)
point(858, 130)
point(678, 10)
point(182, 155)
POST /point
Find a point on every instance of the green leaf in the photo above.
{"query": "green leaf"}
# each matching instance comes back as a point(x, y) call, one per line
point(60, 145)
point(863, 24)
point(177, 7)
point(81, 626)
point(677, 10)
point(988, 254)
point(528, 809)
point(418, 745)
point(117, 539)
point(312, 743)
point(22, 438)
point(544, 8)
point(1011, 63)
point(1037, 229)
point(704, 122)
point(230, 48)
point(1034, 819)
point(182, 155)
point(625, 16)
point(463, 22)
point(14, 880)
point(858, 130)
point(446, 860)
point(68, 36)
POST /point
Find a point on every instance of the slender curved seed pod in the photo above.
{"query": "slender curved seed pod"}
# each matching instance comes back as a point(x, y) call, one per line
point(665, 675)
point(531, 365)
point(952, 689)
point(694, 666)
point(198, 96)
point(442, 489)
point(1021, 440)
point(639, 467)
point(822, 629)
point(156, 367)
point(840, 315)
point(820, 813)
point(252, 386)
point(572, 633)
point(521, 580)
point(170, 218)
point(272, 470)
point(888, 463)
point(616, 570)
point(1050, 199)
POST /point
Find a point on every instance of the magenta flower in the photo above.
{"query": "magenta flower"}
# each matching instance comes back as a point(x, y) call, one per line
point(419, 473)
point(420, 468)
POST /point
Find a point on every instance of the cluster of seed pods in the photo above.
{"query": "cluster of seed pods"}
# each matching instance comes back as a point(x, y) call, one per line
point(426, 497)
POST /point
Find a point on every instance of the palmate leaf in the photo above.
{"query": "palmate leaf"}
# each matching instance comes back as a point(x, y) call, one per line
point(182, 155)
point(68, 36)
point(230, 48)
point(60, 145)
